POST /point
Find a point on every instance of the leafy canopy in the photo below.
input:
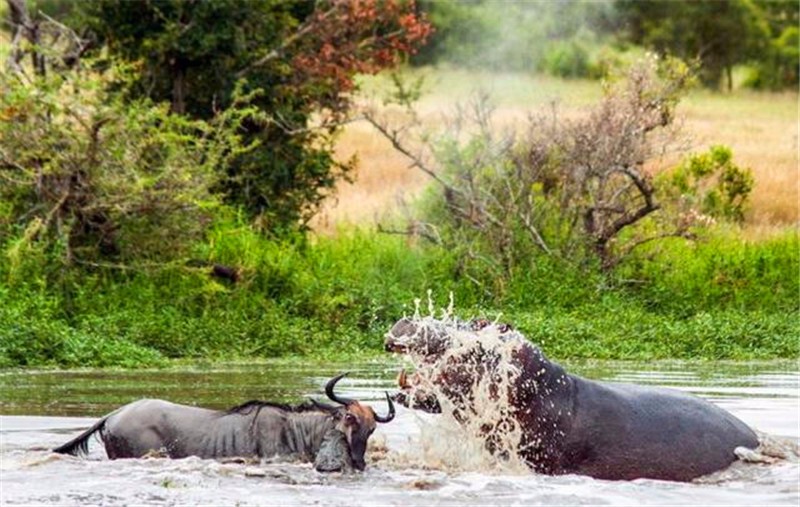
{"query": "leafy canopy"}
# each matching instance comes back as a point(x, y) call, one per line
point(301, 56)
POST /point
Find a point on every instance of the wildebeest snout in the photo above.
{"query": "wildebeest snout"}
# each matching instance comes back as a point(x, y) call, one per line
point(334, 454)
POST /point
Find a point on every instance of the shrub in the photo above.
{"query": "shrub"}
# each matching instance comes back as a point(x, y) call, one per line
point(571, 189)
point(90, 178)
point(568, 58)
point(710, 183)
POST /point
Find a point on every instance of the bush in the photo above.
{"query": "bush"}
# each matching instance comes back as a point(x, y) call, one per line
point(35, 334)
point(90, 178)
point(720, 270)
point(576, 190)
point(568, 58)
point(710, 183)
point(336, 297)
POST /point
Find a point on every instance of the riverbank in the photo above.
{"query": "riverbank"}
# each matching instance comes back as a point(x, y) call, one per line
point(335, 297)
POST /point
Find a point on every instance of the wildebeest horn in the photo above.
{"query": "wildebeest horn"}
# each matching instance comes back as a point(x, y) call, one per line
point(390, 415)
point(329, 390)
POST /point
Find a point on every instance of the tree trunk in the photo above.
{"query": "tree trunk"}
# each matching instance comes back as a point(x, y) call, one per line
point(729, 75)
point(178, 89)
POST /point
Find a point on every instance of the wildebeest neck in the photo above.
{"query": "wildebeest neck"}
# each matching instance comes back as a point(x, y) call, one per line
point(300, 433)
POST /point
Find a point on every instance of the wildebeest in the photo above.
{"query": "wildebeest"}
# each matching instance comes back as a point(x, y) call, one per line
point(253, 429)
point(565, 423)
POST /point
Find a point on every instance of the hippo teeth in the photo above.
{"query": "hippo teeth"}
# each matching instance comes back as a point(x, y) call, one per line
point(395, 347)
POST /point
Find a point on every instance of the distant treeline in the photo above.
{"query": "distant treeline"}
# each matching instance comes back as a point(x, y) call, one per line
point(573, 38)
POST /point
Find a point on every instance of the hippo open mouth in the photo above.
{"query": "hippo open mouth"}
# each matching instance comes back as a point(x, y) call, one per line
point(413, 395)
point(425, 345)
point(424, 341)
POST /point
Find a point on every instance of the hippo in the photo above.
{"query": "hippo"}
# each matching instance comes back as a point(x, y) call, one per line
point(566, 424)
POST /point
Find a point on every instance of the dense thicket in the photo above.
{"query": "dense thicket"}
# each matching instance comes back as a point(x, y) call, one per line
point(130, 129)
point(299, 57)
point(336, 297)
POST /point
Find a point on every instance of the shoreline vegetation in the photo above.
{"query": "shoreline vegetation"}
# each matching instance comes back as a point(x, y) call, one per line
point(335, 297)
point(731, 294)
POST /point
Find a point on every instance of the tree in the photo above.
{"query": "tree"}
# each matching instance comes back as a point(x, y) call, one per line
point(299, 57)
point(778, 66)
point(719, 34)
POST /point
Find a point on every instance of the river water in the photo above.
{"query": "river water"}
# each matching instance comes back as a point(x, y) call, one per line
point(414, 460)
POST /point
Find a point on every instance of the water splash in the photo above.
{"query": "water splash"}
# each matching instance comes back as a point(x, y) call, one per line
point(476, 430)
point(479, 427)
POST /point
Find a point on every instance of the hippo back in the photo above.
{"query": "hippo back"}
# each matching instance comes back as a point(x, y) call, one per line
point(623, 431)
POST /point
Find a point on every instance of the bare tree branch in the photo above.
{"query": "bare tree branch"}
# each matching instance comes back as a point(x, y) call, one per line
point(416, 161)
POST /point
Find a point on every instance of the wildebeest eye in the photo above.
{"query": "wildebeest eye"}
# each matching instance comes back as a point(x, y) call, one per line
point(350, 419)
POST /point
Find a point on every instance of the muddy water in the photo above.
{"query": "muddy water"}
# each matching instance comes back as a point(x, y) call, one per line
point(412, 461)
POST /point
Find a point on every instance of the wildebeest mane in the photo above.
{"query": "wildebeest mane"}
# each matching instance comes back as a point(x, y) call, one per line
point(248, 406)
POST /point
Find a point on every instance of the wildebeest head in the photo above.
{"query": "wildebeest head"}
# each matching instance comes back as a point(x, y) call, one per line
point(356, 421)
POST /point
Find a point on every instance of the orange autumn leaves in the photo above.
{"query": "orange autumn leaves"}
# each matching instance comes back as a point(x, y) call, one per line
point(353, 37)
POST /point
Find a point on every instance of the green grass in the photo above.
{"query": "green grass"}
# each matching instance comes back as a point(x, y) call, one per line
point(335, 297)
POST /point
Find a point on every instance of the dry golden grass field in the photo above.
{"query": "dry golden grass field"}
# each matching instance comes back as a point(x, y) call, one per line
point(761, 128)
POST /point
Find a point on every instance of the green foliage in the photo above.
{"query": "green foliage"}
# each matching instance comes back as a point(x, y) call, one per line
point(568, 58)
point(190, 54)
point(776, 65)
point(35, 334)
point(719, 271)
point(710, 183)
point(720, 34)
point(336, 297)
point(554, 37)
point(778, 69)
point(296, 60)
point(88, 177)
point(99, 175)
point(588, 39)
point(618, 330)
